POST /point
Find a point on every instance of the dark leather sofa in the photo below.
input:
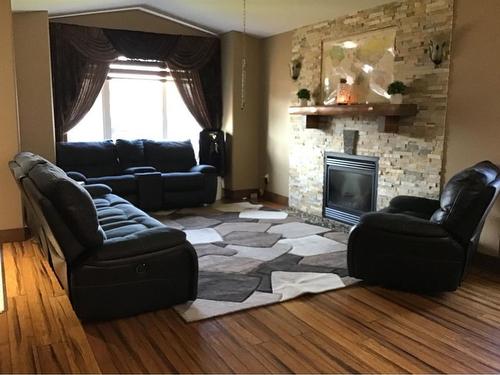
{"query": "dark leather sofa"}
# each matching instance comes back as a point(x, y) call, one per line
point(111, 258)
point(151, 175)
point(423, 244)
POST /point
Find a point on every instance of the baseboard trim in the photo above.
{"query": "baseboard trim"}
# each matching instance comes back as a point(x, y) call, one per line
point(13, 235)
point(489, 262)
point(239, 194)
point(275, 198)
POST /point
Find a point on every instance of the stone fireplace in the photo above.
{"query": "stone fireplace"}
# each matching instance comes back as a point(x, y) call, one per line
point(409, 161)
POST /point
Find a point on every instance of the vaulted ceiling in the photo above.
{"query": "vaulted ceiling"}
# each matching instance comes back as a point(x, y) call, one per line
point(264, 17)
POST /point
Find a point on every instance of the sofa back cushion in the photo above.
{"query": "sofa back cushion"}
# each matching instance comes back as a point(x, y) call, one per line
point(28, 160)
point(93, 159)
point(170, 156)
point(71, 200)
point(130, 153)
point(465, 198)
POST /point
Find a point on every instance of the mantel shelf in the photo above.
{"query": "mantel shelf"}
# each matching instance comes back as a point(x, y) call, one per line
point(316, 116)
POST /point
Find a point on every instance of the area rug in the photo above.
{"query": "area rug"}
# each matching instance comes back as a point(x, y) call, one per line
point(250, 256)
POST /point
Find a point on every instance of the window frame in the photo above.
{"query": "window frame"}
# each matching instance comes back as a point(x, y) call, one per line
point(136, 70)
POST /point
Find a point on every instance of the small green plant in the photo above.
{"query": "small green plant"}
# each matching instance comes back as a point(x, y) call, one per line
point(304, 94)
point(396, 87)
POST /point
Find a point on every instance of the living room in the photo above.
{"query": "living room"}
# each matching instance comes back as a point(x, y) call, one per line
point(247, 186)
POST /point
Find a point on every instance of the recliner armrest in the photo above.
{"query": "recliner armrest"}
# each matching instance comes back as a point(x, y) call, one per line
point(77, 176)
point(401, 224)
point(134, 170)
point(139, 243)
point(203, 168)
point(414, 204)
point(98, 190)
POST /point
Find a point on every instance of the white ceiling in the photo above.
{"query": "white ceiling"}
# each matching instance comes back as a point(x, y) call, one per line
point(264, 17)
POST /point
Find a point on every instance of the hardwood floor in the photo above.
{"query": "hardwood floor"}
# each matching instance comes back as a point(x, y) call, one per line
point(39, 332)
point(355, 329)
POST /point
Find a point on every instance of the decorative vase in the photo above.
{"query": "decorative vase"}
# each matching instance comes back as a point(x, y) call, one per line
point(303, 102)
point(396, 98)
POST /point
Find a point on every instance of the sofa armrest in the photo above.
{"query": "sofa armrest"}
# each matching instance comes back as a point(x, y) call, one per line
point(98, 190)
point(134, 170)
point(203, 168)
point(407, 203)
point(150, 189)
point(77, 176)
point(139, 243)
point(402, 225)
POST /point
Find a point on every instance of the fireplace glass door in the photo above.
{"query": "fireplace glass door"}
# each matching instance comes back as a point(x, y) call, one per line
point(350, 187)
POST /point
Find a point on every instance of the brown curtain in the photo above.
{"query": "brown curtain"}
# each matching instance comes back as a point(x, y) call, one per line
point(80, 64)
point(195, 67)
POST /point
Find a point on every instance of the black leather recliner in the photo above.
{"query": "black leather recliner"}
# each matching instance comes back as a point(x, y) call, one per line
point(422, 244)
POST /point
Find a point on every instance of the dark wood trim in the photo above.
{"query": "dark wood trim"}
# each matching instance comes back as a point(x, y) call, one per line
point(239, 194)
point(318, 116)
point(14, 235)
point(275, 198)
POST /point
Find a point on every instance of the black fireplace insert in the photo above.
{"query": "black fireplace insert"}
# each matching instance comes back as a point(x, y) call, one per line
point(350, 186)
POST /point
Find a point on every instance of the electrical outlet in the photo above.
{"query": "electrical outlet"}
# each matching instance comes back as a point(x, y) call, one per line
point(266, 178)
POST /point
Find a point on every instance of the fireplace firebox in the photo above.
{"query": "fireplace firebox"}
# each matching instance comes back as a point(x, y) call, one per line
point(350, 186)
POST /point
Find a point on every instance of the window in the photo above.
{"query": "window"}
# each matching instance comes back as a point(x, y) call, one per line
point(138, 100)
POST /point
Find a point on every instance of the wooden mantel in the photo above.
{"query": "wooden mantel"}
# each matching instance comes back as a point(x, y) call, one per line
point(316, 116)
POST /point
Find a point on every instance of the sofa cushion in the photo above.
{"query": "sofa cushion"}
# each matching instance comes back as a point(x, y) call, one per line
point(118, 218)
point(28, 160)
point(93, 159)
point(122, 185)
point(130, 153)
point(170, 156)
point(183, 181)
point(71, 200)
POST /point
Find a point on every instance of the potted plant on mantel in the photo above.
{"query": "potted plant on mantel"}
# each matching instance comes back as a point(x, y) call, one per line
point(304, 95)
point(396, 90)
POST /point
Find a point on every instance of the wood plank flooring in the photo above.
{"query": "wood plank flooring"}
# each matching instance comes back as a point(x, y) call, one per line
point(39, 332)
point(355, 329)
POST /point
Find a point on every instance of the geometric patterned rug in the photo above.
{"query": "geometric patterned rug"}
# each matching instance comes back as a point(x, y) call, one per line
point(250, 256)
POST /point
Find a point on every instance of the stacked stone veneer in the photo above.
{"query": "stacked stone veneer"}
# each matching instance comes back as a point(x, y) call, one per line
point(411, 160)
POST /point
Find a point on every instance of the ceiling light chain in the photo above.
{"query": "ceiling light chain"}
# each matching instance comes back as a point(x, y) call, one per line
point(244, 58)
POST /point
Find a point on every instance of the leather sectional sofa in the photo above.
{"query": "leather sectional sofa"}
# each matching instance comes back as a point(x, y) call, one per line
point(112, 258)
point(151, 175)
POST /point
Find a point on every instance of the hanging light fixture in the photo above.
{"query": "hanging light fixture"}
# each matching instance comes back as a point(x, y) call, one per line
point(244, 58)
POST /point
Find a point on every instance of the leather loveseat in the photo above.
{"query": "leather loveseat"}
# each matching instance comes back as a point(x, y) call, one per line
point(151, 175)
point(111, 258)
point(425, 244)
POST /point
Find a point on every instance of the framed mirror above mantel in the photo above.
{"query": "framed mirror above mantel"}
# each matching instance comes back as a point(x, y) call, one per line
point(319, 116)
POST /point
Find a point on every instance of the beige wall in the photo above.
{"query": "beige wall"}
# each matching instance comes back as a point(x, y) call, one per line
point(10, 202)
point(228, 66)
point(34, 86)
point(473, 121)
point(131, 20)
point(278, 91)
point(243, 126)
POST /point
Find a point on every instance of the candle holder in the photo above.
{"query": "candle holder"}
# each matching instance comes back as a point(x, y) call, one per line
point(343, 92)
